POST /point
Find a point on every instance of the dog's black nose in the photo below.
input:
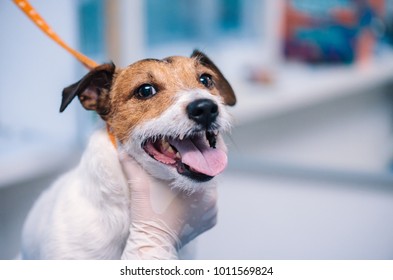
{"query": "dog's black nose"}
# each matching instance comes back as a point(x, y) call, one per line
point(203, 112)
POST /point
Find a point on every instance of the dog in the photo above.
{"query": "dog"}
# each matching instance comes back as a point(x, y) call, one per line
point(168, 115)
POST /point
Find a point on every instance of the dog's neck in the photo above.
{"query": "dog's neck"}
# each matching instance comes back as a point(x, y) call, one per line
point(101, 169)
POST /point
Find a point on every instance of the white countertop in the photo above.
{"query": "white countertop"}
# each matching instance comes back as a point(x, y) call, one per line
point(298, 86)
point(22, 160)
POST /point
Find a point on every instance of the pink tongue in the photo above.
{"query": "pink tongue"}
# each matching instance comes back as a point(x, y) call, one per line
point(199, 156)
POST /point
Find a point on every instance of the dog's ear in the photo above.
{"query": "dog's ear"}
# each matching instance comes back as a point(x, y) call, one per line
point(222, 84)
point(92, 90)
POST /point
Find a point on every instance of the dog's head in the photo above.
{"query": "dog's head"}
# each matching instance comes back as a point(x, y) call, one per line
point(167, 114)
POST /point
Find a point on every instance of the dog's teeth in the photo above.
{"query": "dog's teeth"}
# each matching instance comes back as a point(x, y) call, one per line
point(165, 145)
point(170, 149)
point(181, 137)
point(177, 155)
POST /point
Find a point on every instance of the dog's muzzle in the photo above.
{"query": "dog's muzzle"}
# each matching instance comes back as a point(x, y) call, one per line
point(194, 155)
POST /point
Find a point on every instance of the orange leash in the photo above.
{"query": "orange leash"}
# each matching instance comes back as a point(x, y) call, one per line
point(28, 9)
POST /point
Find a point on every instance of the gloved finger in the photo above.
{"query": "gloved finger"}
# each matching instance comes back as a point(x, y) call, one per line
point(135, 174)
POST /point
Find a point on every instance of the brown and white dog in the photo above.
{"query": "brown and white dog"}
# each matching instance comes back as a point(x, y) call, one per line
point(168, 115)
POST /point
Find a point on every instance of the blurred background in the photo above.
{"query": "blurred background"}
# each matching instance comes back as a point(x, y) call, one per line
point(311, 150)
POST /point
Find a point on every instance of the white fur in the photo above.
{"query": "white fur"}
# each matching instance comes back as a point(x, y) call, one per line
point(85, 213)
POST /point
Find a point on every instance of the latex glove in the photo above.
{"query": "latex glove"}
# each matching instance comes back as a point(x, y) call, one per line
point(163, 220)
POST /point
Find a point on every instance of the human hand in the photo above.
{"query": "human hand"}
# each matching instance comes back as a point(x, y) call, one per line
point(163, 219)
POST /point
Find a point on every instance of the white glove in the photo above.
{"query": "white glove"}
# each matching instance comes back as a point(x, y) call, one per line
point(163, 220)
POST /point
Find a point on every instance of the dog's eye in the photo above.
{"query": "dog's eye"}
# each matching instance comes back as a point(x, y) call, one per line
point(146, 91)
point(206, 80)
